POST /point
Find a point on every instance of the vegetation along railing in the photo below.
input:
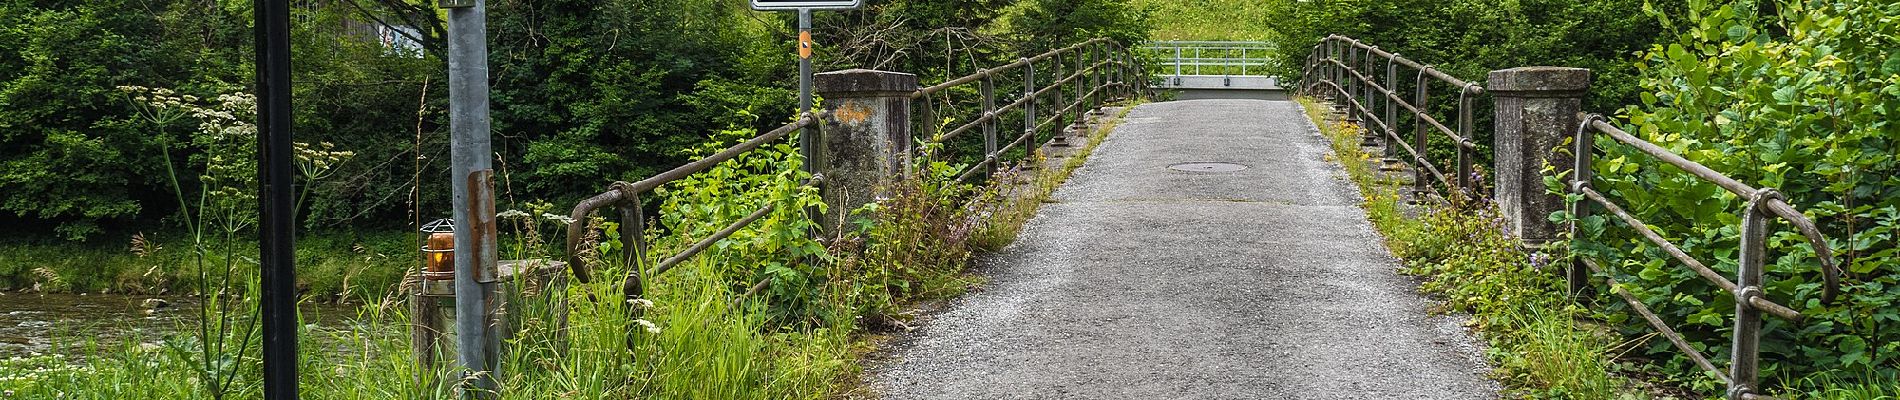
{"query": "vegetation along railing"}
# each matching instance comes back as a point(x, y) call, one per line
point(848, 130)
point(1537, 111)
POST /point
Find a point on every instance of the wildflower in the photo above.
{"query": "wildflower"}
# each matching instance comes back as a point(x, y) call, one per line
point(650, 327)
point(641, 303)
point(511, 214)
point(558, 218)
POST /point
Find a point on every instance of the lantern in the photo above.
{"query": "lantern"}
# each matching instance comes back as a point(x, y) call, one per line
point(438, 255)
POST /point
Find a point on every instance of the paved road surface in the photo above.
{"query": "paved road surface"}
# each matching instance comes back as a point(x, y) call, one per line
point(1140, 282)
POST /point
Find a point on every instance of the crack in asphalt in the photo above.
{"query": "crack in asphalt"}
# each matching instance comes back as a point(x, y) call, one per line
point(1138, 282)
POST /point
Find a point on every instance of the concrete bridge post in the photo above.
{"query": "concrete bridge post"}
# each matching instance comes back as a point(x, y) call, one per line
point(864, 137)
point(1536, 110)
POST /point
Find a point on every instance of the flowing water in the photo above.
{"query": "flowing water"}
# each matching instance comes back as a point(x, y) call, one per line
point(45, 323)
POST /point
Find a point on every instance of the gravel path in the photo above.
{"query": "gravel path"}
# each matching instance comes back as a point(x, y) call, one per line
point(1139, 282)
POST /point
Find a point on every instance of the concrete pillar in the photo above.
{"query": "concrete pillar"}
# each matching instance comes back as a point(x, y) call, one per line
point(864, 142)
point(1536, 110)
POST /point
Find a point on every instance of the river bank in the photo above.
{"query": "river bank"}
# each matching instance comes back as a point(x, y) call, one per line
point(331, 267)
point(45, 323)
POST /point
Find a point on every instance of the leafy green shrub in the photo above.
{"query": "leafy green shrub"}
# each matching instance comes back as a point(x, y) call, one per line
point(1801, 98)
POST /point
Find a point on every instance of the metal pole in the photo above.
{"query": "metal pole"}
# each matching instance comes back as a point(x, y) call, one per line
point(1029, 106)
point(1744, 354)
point(1421, 183)
point(277, 229)
point(478, 344)
point(805, 141)
point(1580, 176)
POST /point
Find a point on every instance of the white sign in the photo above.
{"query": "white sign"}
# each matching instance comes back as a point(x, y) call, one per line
point(773, 5)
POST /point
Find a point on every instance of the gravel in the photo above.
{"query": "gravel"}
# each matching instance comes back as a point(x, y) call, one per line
point(1140, 282)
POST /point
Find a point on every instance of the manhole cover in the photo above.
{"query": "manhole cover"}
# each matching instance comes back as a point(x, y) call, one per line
point(1207, 167)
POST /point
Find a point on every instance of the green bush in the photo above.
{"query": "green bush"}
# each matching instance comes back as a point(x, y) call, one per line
point(1800, 97)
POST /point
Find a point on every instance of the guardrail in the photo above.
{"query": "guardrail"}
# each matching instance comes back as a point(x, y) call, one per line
point(1750, 302)
point(1211, 58)
point(1338, 63)
point(1212, 65)
point(1098, 76)
point(1100, 69)
point(1347, 71)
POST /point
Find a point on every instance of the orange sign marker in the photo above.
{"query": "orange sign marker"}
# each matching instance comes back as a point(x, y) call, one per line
point(804, 44)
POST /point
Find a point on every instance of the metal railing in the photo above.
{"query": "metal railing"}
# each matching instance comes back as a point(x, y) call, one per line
point(1347, 72)
point(1210, 58)
point(1750, 299)
point(1100, 69)
point(625, 197)
point(1095, 72)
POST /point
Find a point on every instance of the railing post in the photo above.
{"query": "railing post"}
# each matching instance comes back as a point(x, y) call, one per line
point(1466, 183)
point(1349, 83)
point(865, 136)
point(1081, 76)
point(1745, 352)
point(1391, 110)
point(1100, 55)
point(987, 89)
point(633, 243)
point(1581, 173)
point(1062, 100)
point(1029, 106)
point(1421, 179)
point(1536, 110)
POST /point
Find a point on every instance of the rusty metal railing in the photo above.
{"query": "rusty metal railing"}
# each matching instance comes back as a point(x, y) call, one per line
point(1348, 72)
point(1750, 300)
point(1101, 68)
point(625, 197)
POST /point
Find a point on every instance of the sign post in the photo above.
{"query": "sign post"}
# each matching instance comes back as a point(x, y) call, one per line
point(804, 9)
point(806, 143)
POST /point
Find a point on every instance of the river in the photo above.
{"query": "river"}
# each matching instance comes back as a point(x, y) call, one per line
point(40, 323)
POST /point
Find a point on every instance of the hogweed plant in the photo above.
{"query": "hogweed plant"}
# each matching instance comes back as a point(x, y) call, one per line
point(217, 215)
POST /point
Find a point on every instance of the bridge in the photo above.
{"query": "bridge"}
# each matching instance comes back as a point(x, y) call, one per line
point(1208, 249)
point(1214, 246)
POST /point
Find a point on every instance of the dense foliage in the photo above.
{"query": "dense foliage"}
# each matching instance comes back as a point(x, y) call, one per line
point(1799, 97)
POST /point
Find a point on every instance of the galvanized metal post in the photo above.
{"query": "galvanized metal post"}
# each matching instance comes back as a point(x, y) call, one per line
point(277, 240)
point(805, 138)
point(1177, 64)
point(1745, 351)
point(479, 345)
